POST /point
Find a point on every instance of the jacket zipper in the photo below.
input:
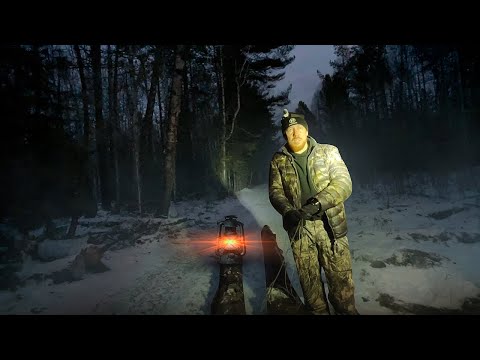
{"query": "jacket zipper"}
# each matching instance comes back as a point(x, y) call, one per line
point(316, 189)
point(290, 158)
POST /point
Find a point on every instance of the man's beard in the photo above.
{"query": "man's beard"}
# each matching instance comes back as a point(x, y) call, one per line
point(296, 145)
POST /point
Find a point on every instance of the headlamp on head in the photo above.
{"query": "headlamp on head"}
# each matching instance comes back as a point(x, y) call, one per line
point(290, 119)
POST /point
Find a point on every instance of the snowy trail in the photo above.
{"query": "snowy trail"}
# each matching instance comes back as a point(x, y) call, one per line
point(171, 272)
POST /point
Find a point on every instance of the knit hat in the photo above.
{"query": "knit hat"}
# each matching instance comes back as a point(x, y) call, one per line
point(290, 119)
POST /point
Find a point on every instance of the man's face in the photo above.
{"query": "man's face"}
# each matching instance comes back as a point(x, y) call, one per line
point(296, 137)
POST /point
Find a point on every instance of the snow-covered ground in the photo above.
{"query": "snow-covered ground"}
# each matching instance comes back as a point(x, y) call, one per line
point(411, 255)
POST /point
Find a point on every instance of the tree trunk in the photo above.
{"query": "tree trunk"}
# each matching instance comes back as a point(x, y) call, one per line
point(240, 75)
point(73, 227)
point(193, 128)
point(136, 118)
point(376, 109)
point(115, 126)
point(464, 124)
point(175, 107)
point(100, 128)
point(161, 123)
point(223, 136)
point(408, 78)
point(393, 105)
point(111, 116)
point(145, 143)
point(137, 163)
point(418, 90)
point(50, 228)
point(86, 128)
point(147, 125)
point(191, 107)
point(424, 90)
point(401, 100)
point(384, 102)
point(240, 79)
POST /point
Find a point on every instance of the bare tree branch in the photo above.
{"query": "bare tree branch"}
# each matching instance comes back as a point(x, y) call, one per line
point(240, 81)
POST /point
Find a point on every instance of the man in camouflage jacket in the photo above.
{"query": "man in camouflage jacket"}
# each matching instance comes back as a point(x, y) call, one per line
point(308, 185)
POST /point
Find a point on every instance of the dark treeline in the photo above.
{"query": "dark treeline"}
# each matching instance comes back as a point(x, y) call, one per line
point(402, 109)
point(86, 127)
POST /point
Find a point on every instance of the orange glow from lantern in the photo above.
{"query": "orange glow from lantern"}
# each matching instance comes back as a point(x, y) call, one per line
point(230, 243)
point(210, 243)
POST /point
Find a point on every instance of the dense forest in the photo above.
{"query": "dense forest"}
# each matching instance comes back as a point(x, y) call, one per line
point(400, 110)
point(88, 127)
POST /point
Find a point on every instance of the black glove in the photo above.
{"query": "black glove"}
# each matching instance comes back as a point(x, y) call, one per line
point(291, 219)
point(311, 208)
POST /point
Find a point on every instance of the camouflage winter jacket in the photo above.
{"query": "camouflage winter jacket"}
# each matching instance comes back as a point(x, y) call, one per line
point(331, 180)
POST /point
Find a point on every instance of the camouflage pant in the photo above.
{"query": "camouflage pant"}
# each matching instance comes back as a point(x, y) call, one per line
point(312, 251)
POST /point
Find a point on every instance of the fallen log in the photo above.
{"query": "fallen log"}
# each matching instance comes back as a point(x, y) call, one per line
point(89, 260)
point(229, 298)
point(282, 299)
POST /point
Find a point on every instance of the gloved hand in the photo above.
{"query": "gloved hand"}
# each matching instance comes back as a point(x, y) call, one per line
point(312, 207)
point(291, 219)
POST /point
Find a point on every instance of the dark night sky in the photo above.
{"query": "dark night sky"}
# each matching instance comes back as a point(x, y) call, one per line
point(302, 72)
